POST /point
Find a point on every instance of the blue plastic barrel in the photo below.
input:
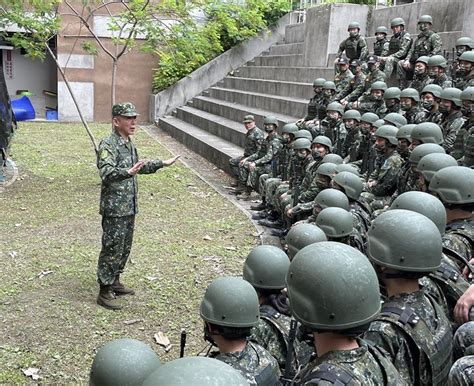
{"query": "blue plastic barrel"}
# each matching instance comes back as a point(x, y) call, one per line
point(23, 109)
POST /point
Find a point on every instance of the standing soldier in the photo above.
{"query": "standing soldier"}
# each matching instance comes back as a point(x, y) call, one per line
point(421, 76)
point(437, 71)
point(381, 44)
point(465, 71)
point(253, 140)
point(453, 120)
point(355, 87)
point(398, 46)
point(355, 46)
point(409, 99)
point(427, 43)
point(118, 166)
point(343, 76)
point(314, 106)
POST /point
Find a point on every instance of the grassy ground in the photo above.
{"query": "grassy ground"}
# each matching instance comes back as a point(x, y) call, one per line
point(50, 240)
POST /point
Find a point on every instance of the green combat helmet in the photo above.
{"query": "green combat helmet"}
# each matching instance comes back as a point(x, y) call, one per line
point(379, 122)
point(353, 24)
point(270, 120)
point(379, 85)
point(290, 128)
point(326, 169)
point(319, 82)
point(465, 41)
point(425, 204)
point(427, 148)
point(302, 143)
point(329, 85)
point(432, 89)
point(395, 119)
point(335, 106)
point(333, 159)
point(123, 362)
point(332, 287)
point(303, 134)
point(454, 185)
point(266, 267)
point(230, 302)
point(196, 371)
point(392, 93)
point(351, 184)
point(335, 222)
point(410, 93)
point(468, 94)
point(431, 163)
point(396, 22)
point(427, 132)
point(405, 132)
point(347, 168)
point(302, 235)
point(452, 94)
point(423, 59)
point(467, 56)
point(425, 19)
point(388, 132)
point(437, 61)
point(369, 118)
point(405, 241)
point(323, 140)
point(381, 30)
point(352, 114)
point(332, 198)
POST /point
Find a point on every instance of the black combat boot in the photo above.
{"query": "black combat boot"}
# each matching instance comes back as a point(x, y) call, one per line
point(259, 207)
point(107, 298)
point(120, 289)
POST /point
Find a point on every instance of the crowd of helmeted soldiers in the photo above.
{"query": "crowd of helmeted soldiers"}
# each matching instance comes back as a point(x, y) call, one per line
point(371, 194)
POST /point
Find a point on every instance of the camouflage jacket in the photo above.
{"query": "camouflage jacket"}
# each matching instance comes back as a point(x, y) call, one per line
point(315, 104)
point(451, 125)
point(465, 82)
point(459, 237)
point(253, 141)
point(366, 365)
point(268, 151)
point(462, 372)
point(284, 159)
point(435, 117)
point(354, 47)
point(119, 190)
point(399, 45)
point(464, 145)
point(427, 43)
point(342, 80)
point(416, 349)
point(366, 155)
point(353, 90)
point(336, 132)
point(373, 76)
point(419, 82)
point(310, 175)
point(392, 109)
point(387, 170)
point(381, 47)
point(298, 170)
point(407, 180)
point(416, 115)
point(368, 104)
point(443, 81)
point(254, 363)
point(351, 144)
point(362, 216)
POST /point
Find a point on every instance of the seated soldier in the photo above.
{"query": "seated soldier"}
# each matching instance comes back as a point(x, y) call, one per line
point(381, 44)
point(366, 154)
point(430, 98)
point(372, 101)
point(333, 127)
point(437, 71)
point(230, 309)
point(398, 46)
point(355, 87)
point(429, 164)
point(453, 120)
point(465, 71)
point(328, 198)
point(421, 76)
point(414, 113)
point(302, 235)
point(426, 132)
point(314, 106)
point(464, 143)
point(337, 305)
point(392, 100)
point(395, 119)
point(351, 119)
point(405, 246)
point(374, 74)
point(343, 76)
point(355, 46)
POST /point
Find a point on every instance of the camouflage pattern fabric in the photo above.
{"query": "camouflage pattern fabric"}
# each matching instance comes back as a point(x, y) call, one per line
point(367, 104)
point(451, 125)
point(353, 89)
point(386, 174)
point(336, 132)
point(253, 141)
point(119, 190)
point(314, 107)
point(420, 81)
point(124, 110)
point(459, 237)
point(463, 343)
point(405, 345)
point(374, 76)
point(468, 158)
point(354, 48)
point(392, 109)
point(268, 153)
point(381, 47)
point(350, 367)
point(342, 80)
point(351, 144)
point(465, 82)
point(435, 117)
point(407, 180)
point(254, 363)
point(427, 43)
point(416, 115)
point(443, 81)
point(399, 46)
point(462, 372)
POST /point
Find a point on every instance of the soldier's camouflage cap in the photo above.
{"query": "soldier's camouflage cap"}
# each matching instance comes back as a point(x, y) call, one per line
point(124, 110)
point(249, 118)
point(343, 60)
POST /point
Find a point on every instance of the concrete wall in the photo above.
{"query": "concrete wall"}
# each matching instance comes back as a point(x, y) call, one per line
point(187, 88)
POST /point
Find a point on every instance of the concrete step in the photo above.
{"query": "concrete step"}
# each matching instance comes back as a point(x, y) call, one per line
point(268, 86)
point(288, 74)
point(222, 127)
point(291, 60)
point(213, 148)
point(285, 105)
point(286, 49)
point(236, 112)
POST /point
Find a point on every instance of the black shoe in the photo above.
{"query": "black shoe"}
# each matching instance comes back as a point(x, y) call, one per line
point(260, 215)
point(271, 224)
point(261, 206)
point(279, 232)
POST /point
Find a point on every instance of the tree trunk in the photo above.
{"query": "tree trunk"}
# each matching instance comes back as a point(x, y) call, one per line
point(114, 75)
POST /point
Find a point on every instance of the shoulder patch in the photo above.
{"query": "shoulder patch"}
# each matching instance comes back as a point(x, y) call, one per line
point(104, 153)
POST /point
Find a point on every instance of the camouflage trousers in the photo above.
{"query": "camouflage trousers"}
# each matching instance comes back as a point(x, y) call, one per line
point(262, 181)
point(271, 186)
point(253, 179)
point(463, 342)
point(376, 202)
point(234, 167)
point(117, 240)
point(462, 372)
point(390, 64)
point(404, 75)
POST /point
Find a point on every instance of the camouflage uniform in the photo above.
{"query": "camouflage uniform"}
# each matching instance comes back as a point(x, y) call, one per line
point(443, 81)
point(465, 82)
point(464, 146)
point(462, 372)
point(118, 203)
point(416, 115)
point(398, 48)
point(368, 104)
point(361, 214)
point(392, 109)
point(353, 89)
point(253, 362)
point(336, 132)
point(366, 365)
point(407, 180)
point(351, 144)
point(366, 155)
point(420, 81)
point(451, 126)
point(374, 76)
point(342, 80)
point(354, 48)
point(381, 47)
point(434, 117)
point(463, 343)
point(315, 110)
point(459, 237)
point(420, 350)
point(264, 159)
point(253, 141)
point(386, 174)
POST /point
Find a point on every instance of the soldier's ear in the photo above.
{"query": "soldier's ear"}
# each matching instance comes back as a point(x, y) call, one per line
point(116, 121)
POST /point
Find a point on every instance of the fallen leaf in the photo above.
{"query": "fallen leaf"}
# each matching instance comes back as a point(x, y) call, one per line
point(231, 248)
point(207, 238)
point(162, 340)
point(43, 274)
point(32, 372)
point(133, 321)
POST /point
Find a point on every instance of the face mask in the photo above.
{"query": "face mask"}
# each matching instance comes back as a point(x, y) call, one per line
point(428, 104)
point(353, 69)
point(316, 154)
point(390, 102)
point(301, 154)
point(353, 34)
point(432, 74)
point(379, 148)
point(379, 37)
point(328, 93)
point(365, 130)
point(405, 107)
point(443, 109)
point(419, 71)
point(422, 27)
point(268, 128)
point(467, 112)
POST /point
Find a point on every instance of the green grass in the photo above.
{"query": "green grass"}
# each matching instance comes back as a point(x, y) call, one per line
point(49, 222)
